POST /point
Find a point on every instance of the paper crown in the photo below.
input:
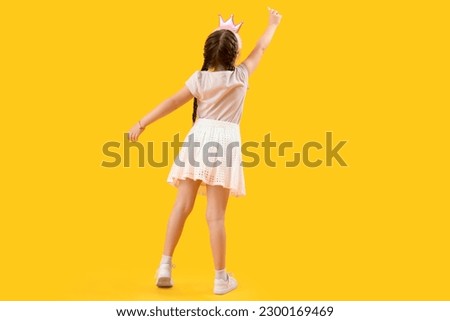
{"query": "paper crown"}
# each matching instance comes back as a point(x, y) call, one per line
point(229, 24)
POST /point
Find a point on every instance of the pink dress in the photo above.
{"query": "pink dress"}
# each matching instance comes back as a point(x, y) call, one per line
point(211, 151)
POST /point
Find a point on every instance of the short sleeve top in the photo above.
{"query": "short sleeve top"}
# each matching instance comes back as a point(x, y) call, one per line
point(220, 94)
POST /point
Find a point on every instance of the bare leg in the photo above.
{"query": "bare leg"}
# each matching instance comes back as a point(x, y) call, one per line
point(215, 215)
point(187, 191)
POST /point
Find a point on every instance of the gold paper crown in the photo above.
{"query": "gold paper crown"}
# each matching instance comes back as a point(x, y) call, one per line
point(229, 24)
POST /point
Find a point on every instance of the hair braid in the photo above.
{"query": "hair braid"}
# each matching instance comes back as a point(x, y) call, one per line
point(194, 113)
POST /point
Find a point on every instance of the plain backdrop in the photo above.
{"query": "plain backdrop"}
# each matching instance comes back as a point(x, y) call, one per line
point(78, 74)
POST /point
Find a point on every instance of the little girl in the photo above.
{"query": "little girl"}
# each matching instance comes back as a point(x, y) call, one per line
point(209, 161)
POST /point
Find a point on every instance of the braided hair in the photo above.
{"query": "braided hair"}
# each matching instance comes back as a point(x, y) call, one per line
point(221, 49)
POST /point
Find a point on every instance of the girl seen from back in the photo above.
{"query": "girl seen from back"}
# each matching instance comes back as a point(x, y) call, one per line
point(209, 162)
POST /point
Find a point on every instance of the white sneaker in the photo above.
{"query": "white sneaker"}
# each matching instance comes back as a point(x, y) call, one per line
point(164, 276)
point(222, 287)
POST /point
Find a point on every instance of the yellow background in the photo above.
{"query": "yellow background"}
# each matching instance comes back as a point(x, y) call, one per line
point(80, 73)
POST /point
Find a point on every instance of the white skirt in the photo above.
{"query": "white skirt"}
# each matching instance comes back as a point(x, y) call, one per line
point(211, 152)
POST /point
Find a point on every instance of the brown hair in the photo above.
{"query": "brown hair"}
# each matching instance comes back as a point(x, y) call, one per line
point(221, 49)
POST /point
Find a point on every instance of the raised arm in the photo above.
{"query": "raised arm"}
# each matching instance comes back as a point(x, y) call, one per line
point(163, 109)
point(255, 56)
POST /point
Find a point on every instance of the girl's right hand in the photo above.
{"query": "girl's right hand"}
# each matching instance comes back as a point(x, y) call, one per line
point(134, 132)
point(274, 17)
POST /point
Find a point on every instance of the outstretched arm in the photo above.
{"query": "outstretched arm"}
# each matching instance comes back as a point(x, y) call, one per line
point(163, 109)
point(255, 56)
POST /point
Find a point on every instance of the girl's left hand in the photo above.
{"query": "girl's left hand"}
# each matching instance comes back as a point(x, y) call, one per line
point(134, 132)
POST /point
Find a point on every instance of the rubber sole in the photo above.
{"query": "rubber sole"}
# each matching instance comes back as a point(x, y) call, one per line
point(224, 291)
point(164, 282)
